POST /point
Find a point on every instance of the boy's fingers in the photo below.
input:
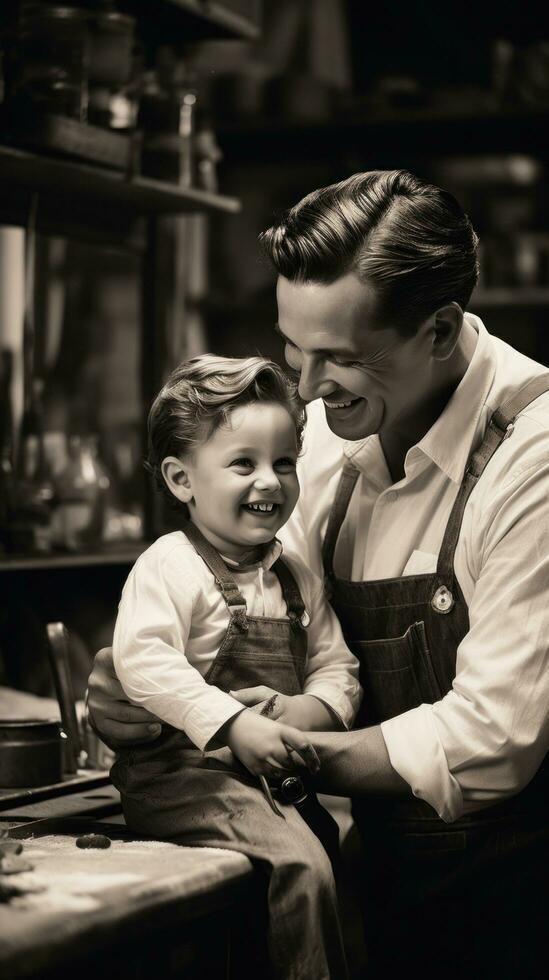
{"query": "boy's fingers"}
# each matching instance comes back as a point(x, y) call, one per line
point(252, 695)
point(294, 741)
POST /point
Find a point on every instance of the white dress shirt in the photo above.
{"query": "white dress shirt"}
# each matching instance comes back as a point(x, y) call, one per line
point(171, 622)
point(487, 737)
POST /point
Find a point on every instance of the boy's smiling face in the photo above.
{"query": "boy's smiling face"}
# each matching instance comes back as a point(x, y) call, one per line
point(241, 485)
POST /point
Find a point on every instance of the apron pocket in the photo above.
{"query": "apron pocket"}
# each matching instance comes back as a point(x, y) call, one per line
point(396, 673)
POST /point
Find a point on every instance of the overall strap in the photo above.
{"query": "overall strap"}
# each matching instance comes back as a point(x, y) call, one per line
point(290, 590)
point(232, 595)
point(343, 494)
point(499, 427)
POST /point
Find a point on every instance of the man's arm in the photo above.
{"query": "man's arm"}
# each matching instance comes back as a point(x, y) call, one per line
point(117, 722)
point(352, 763)
point(356, 764)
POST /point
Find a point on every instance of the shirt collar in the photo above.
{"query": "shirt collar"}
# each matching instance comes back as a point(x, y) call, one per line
point(272, 552)
point(449, 441)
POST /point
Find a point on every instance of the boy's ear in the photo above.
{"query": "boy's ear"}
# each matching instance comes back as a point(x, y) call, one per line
point(177, 478)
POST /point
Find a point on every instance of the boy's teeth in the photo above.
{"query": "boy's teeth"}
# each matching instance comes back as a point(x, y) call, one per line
point(263, 507)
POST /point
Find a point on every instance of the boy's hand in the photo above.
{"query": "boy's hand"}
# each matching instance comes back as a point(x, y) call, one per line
point(302, 711)
point(264, 746)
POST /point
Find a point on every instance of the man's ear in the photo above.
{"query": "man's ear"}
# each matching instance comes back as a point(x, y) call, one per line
point(176, 475)
point(447, 324)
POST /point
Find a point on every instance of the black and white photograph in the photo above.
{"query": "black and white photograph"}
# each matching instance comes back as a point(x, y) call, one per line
point(274, 490)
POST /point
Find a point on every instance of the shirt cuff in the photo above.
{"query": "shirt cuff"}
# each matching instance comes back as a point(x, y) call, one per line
point(342, 706)
point(417, 754)
point(202, 726)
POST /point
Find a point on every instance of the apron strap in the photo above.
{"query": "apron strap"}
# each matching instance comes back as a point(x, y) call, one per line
point(290, 590)
point(232, 595)
point(500, 426)
point(343, 494)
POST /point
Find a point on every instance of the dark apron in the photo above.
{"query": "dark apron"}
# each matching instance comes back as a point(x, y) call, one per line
point(256, 650)
point(457, 899)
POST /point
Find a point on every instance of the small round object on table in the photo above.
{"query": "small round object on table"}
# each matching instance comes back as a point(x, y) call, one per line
point(95, 841)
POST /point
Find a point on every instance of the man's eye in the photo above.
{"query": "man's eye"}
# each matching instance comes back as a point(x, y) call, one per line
point(341, 362)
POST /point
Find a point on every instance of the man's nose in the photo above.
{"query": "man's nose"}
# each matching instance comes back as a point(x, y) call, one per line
point(313, 381)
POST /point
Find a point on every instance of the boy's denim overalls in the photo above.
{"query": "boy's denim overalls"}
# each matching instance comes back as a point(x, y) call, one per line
point(467, 899)
point(172, 790)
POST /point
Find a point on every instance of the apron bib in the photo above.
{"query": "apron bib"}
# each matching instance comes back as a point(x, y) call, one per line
point(255, 649)
point(425, 881)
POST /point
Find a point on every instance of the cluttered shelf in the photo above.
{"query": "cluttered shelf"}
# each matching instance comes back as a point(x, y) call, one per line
point(123, 555)
point(140, 195)
point(90, 203)
point(520, 296)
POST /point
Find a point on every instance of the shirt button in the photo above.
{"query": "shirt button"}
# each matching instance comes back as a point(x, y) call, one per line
point(391, 496)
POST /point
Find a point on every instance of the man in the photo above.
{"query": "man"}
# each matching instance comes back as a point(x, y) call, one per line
point(425, 483)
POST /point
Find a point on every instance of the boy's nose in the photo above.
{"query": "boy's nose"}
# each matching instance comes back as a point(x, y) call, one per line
point(267, 479)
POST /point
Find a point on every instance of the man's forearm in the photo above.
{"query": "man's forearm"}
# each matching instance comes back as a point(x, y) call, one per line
point(356, 764)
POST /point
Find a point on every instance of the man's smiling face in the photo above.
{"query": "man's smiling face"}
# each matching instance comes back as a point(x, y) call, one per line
point(370, 377)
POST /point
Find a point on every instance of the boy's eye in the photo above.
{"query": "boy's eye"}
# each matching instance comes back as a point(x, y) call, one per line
point(243, 463)
point(285, 465)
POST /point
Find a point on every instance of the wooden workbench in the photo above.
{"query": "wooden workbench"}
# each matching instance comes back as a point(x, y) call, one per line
point(136, 910)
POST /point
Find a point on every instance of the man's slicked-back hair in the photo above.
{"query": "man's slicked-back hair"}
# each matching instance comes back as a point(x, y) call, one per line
point(410, 240)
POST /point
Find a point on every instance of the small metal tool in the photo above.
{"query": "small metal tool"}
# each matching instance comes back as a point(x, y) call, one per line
point(269, 796)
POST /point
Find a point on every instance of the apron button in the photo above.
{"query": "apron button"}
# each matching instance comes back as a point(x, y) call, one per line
point(443, 600)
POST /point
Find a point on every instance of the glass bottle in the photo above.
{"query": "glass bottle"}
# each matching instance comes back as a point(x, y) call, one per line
point(31, 518)
point(81, 491)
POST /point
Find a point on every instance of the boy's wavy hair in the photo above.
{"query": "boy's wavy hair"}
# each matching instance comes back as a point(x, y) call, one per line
point(410, 240)
point(199, 397)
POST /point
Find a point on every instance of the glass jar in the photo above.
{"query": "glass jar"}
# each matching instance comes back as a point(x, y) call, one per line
point(53, 59)
point(81, 492)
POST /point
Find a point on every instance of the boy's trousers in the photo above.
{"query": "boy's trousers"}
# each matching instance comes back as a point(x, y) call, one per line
point(165, 797)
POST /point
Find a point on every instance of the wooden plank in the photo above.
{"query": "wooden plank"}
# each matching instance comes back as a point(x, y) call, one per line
point(91, 898)
point(10, 798)
point(73, 183)
point(123, 556)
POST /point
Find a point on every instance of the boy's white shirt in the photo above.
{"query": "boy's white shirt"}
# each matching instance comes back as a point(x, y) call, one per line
point(483, 741)
point(171, 622)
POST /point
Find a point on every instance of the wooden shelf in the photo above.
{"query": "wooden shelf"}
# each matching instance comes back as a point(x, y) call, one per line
point(513, 296)
point(80, 200)
point(139, 195)
point(125, 555)
point(179, 21)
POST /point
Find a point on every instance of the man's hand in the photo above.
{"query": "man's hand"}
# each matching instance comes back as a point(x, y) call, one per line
point(264, 746)
point(117, 722)
point(302, 711)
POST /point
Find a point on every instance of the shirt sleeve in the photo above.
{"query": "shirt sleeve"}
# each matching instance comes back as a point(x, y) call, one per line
point(150, 638)
point(486, 739)
point(332, 670)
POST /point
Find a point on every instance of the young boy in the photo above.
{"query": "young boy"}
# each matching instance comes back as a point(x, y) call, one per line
point(213, 609)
